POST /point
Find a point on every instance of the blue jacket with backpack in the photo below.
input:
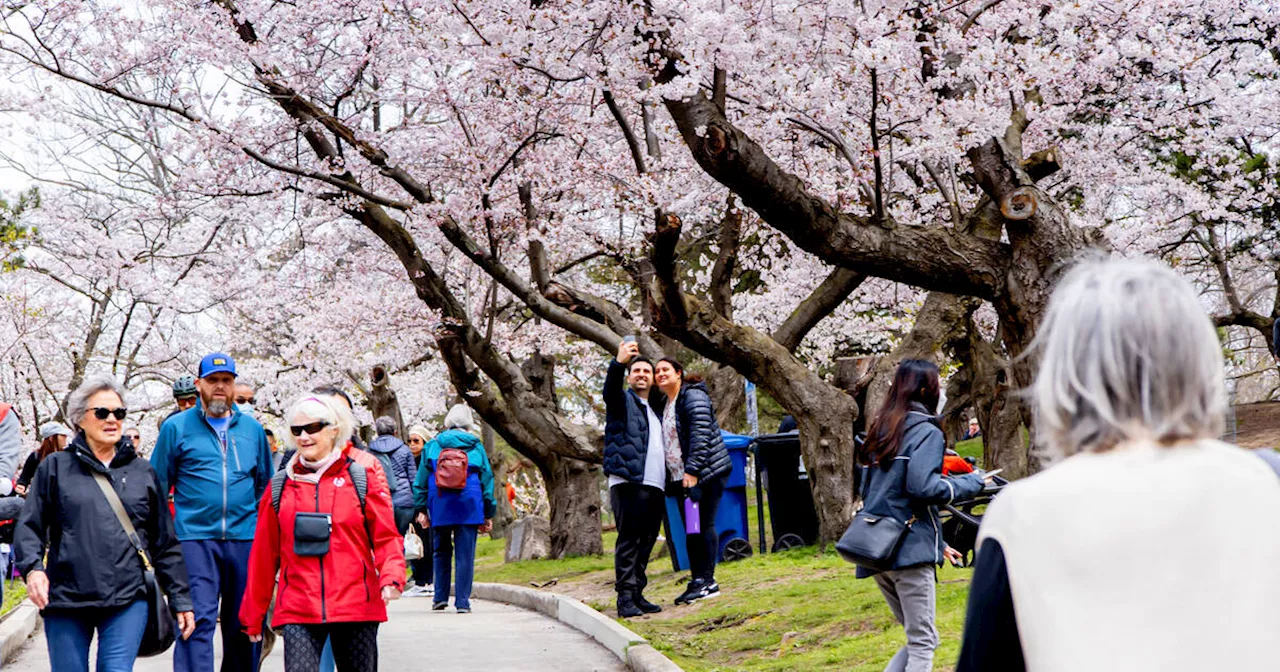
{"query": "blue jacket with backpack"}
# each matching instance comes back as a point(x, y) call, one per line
point(216, 492)
point(470, 506)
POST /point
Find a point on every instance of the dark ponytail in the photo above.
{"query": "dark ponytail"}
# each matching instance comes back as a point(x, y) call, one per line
point(915, 380)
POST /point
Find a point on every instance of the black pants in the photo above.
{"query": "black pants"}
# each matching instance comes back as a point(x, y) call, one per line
point(422, 567)
point(704, 548)
point(638, 511)
point(355, 646)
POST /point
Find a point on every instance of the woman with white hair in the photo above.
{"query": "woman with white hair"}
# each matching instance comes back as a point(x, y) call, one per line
point(453, 495)
point(83, 569)
point(327, 527)
point(1147, 546)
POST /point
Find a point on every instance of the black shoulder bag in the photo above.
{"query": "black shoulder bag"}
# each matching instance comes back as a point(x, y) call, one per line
point(160, 631)
point(872, 541)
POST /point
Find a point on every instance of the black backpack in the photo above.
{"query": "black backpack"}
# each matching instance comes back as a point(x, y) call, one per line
point(388, 468)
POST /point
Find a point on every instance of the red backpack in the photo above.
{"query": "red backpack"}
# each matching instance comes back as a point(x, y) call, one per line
point(451, 469)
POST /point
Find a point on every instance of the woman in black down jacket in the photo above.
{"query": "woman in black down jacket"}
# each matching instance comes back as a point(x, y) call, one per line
point(697, 464)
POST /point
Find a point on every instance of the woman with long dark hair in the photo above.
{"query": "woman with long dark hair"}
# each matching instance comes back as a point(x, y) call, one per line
point(53, 438)
point(697, 464)
point(900, 473)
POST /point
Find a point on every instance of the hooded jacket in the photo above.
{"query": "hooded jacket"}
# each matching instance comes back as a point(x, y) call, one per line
point(701, 445)
point(626, 425)
point(215, 492)
point(90, 561)
point(913, 487)
point(402, 462)
point(470, 506)
point(366, 554)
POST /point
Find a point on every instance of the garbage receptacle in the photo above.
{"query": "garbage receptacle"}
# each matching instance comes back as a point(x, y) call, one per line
point(792, 516)
point(731, 517)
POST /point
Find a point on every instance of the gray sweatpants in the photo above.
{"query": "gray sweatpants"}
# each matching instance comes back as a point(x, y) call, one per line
point(911, 594)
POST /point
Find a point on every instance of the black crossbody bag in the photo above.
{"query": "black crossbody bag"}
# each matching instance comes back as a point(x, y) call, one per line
point(160, 631)
point(872, 541)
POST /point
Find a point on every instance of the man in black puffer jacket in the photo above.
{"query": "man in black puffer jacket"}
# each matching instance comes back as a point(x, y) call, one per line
point(633, 460)
point(703, 465)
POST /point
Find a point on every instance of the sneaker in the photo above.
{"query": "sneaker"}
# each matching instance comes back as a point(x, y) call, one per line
point(464, 610)
point(646, 606)
point(706, 591)
point(695, 587)
point(439, 606)
point(419, 591)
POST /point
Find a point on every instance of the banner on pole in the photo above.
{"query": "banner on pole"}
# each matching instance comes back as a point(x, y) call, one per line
point(753, 412)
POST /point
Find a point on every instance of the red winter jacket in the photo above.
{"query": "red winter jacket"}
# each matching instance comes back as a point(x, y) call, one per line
point(344, 585)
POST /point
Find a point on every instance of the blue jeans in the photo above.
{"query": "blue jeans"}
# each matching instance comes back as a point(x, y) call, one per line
point(217, 569)
point(446, 538)
point(68, 634)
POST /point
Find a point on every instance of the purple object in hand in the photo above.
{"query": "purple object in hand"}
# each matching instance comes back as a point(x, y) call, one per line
point(692, 521)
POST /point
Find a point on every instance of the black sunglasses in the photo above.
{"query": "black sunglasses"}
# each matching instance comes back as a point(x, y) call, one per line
point(312, 429)
point(102, 413)
point(246, 400)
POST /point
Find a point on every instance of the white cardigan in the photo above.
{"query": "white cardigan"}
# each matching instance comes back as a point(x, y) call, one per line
point(1145, 558)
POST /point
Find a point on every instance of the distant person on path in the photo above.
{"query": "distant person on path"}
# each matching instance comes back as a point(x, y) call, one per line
point(696, 464)
point(635, 462)
point(217, 460)
point(1149, 544)
point(336, 548)
point(53, 438)
point(398, 466)
point(135, 437)
point(185, 396)
point(81, 568)
point(422, 567)
point(453, 494)
point(246, 398)
point(900, 477)
point(973, 431)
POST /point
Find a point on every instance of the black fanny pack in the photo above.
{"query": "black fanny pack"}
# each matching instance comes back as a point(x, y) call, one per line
point(311, 533)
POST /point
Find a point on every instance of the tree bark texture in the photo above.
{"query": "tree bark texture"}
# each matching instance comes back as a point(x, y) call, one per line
point(383, 400)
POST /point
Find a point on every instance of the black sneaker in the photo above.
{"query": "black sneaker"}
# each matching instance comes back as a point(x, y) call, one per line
point(709, 590)
point(695, 587)
point(646, 606)
point(627, 607)
point(439, 606)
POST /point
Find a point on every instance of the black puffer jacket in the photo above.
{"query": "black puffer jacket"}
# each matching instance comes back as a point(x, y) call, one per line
point(626, 425)
point(91, 562)
point(701, 445)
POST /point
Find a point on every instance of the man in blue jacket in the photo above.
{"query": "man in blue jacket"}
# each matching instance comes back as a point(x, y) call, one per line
point(218, 463)
point(636, 464)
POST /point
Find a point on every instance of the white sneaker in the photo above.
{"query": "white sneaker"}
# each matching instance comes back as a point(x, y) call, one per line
point(419, 591)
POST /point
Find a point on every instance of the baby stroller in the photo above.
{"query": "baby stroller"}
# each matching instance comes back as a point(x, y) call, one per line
point(960, 520)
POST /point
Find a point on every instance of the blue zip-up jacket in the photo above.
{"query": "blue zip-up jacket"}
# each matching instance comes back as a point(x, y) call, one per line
point(470, 506)
point(402, 461)
point(215, 493)
point(914, 487)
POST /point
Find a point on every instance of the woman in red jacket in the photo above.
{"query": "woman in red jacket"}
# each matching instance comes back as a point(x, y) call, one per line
point(339, 558)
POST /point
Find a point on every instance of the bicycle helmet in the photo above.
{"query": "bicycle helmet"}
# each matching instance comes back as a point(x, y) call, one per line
point(184, 387)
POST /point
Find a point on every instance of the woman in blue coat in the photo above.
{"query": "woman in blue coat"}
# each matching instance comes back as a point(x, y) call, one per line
point(455, 516)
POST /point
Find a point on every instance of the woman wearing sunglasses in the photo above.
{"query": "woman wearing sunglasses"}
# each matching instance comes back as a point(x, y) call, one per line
point(326, 525)
point(92, 576)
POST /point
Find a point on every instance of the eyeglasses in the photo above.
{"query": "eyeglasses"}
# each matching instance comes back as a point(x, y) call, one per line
point(246, 400)
point(102, 413)
point(312, 429)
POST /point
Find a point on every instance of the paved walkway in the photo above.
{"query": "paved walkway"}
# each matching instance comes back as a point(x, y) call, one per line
point(493, 637)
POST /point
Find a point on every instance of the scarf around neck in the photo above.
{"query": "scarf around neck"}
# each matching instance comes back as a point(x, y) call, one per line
point(305, 471)
point(671, 442)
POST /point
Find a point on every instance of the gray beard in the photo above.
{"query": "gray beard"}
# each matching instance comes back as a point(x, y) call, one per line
point(217, 408)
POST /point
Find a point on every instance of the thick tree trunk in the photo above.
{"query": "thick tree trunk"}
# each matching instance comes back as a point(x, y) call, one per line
point(383, 399)
point(573, 488)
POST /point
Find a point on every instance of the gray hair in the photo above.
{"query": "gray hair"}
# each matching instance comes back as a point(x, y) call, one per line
point(385, 425)
point(1127, 353)
point(322, 407)
point(458, 417)
point(78, 401)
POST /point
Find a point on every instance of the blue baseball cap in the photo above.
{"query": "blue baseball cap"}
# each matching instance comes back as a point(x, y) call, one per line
point(217, 362)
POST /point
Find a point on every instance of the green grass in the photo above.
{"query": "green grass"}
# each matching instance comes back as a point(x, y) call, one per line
point(14, 593)
point(971, 448)
point(800, 609)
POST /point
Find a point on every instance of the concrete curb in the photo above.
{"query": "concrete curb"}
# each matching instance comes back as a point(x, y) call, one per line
point(629, 647)
point(16, 628)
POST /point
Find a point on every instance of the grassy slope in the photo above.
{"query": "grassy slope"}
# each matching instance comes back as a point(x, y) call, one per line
point(801, 609)
point(14, 592)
